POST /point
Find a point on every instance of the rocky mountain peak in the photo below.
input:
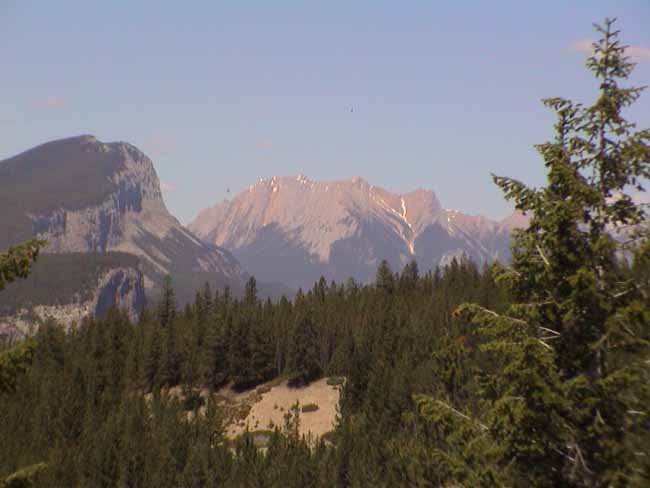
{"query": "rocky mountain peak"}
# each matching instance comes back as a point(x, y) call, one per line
point(294, 229)
point(83, 139)
point(84, 195)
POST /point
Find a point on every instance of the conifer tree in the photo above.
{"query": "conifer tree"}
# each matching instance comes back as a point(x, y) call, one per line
point(167, 303)
point(385, 279)
point(250, 292)
point(239, 351)
point(170, 357)
point(214, 363)
point(14, 362)
point(568, 381)
point(261, 365)
point(151, 351)
point(302, 357)
point(17, 261)
point(410, 275)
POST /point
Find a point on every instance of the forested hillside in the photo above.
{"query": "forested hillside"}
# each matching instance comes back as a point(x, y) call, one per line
point(62, 278)
point(87, 417)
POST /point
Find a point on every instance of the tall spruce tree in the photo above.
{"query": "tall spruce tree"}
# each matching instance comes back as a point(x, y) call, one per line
point(385, 279)
point(167, 303)
point(16, 263)
point(566, 396)
point(302, 357)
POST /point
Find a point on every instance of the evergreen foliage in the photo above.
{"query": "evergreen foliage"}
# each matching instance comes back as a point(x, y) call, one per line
point(17, 261)
point(302, 356)
point(90, 421)
point(167, 304)
point(565, 398)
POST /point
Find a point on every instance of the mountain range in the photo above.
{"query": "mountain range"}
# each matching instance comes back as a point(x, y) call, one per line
point(293, 230)
point(99, 205)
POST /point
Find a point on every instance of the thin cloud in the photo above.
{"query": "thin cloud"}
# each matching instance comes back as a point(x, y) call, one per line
point(167, 187)
point(636, 53)
point(158, 145)
point(264, 145)
point(53, 102)
point(582, 46)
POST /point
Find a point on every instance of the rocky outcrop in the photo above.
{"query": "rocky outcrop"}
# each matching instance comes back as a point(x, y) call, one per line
point(122, 288)
point(294, 230)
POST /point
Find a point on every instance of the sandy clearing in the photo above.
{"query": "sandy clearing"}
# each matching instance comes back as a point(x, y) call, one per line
point(258, 411)
point(277, 402)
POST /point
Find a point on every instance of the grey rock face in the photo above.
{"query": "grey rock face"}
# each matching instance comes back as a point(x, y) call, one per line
point(104, 226)
point(122, 288)
point(294, 230)
point(447, 259)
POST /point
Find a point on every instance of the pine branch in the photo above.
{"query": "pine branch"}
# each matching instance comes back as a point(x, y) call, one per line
point(544, 258)
point(461, 414)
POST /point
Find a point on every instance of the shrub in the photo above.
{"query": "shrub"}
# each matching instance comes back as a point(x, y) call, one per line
point(242, 412)
point(193, 402)
point(335, 381)
point(329, 437)
point(309, 407)
point(261, 437)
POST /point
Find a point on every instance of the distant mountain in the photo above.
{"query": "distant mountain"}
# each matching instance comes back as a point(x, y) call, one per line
point(83, 195)
point(294, 230)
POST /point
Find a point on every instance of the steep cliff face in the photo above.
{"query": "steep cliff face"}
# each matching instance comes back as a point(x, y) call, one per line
point(293, 230)
point(122, 288)
point(82, 195)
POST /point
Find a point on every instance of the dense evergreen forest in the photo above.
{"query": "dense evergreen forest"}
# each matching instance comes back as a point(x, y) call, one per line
point(86, 416)
point(534, 374)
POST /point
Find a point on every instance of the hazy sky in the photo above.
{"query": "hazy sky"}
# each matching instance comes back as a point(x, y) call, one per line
point(220, 94)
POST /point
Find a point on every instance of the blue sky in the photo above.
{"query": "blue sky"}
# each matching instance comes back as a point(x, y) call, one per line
point(220, 94)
